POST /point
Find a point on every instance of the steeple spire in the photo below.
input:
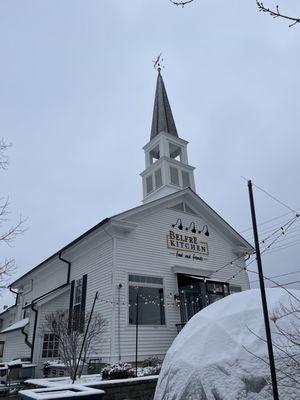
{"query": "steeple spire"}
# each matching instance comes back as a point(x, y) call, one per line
point(162, 120)
point(167, 168)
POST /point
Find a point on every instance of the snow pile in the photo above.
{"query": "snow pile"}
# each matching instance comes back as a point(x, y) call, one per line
point(15, 362)
point(220, 355)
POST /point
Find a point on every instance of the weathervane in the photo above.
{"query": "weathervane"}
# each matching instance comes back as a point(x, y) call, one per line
point(158, 63)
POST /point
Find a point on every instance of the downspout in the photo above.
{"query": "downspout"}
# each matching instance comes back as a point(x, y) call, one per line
point(69, 267)
point(26, 338)
point(16, 293)
point(44, 295)
point(34, 330)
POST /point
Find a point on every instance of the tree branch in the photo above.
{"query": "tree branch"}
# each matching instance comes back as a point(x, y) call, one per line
point(276, 13)
point(181, 3)
point(3, 157)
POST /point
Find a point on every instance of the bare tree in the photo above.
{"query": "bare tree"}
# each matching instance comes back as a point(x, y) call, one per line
point(70, 336)
point(275, 13)
point(286, 344)
point(9, 233)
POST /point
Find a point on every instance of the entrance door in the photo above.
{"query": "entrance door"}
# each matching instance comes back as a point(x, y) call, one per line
point(196, 293)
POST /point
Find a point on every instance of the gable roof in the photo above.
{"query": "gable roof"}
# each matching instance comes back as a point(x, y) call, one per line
point(187, 193)
point(202, 207)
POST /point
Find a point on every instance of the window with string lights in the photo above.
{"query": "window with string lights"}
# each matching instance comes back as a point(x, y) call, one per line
point(146, 300)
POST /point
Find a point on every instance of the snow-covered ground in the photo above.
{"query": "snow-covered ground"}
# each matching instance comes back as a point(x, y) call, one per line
point(220, 355)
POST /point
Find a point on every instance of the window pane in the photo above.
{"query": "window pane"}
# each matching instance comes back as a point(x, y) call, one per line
point(50, 346)
point(158, 178)
point(149, 184)
point(1, 348)
point(174, 176)
point(185, 179)
point(150, 306)
point(235, 289)
point(78, 291)
point(145, 279)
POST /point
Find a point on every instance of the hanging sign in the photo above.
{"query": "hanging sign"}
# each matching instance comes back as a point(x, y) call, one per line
point(186, 243)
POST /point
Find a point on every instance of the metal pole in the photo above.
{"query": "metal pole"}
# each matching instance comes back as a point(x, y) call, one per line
point(85, 335)
point(119, 320)
point(263, 296)
point(136, 330)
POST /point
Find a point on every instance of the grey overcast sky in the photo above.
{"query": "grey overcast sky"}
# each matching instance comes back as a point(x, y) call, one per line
point(76, 98)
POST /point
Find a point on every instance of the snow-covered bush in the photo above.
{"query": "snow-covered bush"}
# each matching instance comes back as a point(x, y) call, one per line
point(151, 366)
point(118, 370)
point(151, 362)
point(154, 370)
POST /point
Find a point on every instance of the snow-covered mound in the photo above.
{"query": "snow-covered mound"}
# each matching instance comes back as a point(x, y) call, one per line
point(221, 355)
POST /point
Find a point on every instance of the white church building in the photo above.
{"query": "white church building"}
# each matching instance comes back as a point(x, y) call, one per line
point(174, 250)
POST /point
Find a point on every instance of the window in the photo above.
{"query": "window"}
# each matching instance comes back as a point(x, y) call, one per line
point(146, 300)
point(50, 346)
point(154, 155)
point(175, 151)
point(174, 176)
point(1, 348)
point(234, 289)
point(77, 303)
point(149, 184)
point(216, 291)
point(158, 178)
point(185, 179)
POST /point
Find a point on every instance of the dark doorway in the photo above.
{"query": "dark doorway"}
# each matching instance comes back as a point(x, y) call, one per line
point(196, 293)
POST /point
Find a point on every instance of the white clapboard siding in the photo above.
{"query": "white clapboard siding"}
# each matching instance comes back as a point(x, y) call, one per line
point(96, 260)
point(144, 252)
point(14, 346)
point(48, 277)
point(59, 303)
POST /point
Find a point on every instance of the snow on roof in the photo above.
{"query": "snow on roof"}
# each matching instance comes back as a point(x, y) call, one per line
point(220, 353)
point(17, 325)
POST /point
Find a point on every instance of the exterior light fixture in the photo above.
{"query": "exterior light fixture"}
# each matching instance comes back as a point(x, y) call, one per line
point(193, 227)
point(178, 224)
point(205, 228)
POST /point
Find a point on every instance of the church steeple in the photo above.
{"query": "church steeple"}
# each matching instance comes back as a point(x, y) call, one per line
point(162, 120)
point(167, 169)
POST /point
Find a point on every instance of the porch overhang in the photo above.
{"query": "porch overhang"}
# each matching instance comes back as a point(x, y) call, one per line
point(16, 326)
point(205, 273)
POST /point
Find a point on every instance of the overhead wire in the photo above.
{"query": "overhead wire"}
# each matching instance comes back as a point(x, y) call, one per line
point(275, 198)
point(280, 276)
point(269, 220)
